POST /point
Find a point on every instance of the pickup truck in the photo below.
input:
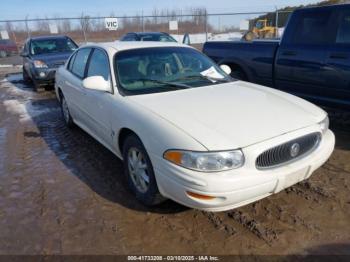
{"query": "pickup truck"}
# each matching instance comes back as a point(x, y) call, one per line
point(312, 60)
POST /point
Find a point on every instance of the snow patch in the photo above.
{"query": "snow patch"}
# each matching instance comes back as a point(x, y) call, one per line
point(201, 38)
point(8, 66)
point(25, 109)
point(18, 89)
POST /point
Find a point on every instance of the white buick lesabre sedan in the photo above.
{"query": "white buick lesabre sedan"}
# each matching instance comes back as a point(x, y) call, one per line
point(185, 129)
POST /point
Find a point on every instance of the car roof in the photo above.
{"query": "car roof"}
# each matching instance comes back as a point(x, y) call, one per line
point(43, 37)
point(120, 45)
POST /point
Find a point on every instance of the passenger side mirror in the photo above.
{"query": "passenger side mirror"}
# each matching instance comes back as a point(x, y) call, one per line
point(97, 83)
point(226, 69)
point(186, 39)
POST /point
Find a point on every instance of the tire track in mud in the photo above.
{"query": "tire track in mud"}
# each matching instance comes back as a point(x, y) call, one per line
point(219, 224)
point(269, 218)
point(310, 191)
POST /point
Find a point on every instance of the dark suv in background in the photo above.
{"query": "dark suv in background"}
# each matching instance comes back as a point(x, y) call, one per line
point(43, 55)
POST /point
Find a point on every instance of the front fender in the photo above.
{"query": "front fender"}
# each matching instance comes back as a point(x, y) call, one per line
point(156, 133)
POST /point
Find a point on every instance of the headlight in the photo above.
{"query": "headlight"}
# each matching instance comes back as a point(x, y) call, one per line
point(324, 125)
point(39, 64)
point(206, 161)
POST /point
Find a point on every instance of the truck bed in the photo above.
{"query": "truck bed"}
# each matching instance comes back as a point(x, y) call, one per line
point(255, 58)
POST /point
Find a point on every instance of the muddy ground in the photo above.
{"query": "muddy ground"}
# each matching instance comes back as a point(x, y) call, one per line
point(62, 193)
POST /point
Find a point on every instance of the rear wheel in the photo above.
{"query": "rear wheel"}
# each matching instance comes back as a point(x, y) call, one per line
point(26, 77)
point(139, 172)
point(65, 113)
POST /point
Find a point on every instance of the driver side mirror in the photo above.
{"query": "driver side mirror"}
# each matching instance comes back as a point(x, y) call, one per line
point(226, 69)
point(97, 83)
point(186, 39)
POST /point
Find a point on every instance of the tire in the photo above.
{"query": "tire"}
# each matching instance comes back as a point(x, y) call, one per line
point(141, 181)
point(238, 74)
point(26, 77)
point(65, 113)
point(36, 86)
point(3, 54)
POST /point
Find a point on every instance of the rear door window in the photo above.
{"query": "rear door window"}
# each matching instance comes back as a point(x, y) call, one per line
point(343, 32)
point(81, 58)
point(312, 27)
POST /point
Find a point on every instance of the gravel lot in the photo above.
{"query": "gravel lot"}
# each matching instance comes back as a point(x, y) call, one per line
point(63, 193)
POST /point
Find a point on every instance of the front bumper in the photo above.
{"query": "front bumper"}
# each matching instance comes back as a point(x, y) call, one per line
point(241, 186)
point(44, 75)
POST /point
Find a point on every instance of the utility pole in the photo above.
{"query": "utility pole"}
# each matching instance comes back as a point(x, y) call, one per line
point(276, 22)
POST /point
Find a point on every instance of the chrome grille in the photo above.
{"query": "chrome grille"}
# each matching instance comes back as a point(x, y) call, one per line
point(288, 152)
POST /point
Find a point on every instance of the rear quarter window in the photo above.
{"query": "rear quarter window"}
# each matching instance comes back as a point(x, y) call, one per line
point(343, 31)
point(311, 27)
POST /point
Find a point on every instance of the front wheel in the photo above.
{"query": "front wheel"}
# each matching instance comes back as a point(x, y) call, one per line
point(26, 77)
point(65, 113)
point(139, 172)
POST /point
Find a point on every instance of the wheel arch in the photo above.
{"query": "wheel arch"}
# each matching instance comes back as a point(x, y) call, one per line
point(123, 134)
point(236, 66)
point(59, 93)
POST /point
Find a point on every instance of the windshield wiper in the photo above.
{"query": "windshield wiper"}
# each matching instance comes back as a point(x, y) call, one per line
point(177, 85)
point(211, 79)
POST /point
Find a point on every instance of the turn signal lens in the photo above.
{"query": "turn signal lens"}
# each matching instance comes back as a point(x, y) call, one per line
point(173, 156)
point(199, 196)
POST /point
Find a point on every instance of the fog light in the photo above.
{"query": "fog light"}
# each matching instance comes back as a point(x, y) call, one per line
point(42, 74)
point(199, 196)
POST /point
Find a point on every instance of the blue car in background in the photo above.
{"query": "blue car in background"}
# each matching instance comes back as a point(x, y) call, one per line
point(42, 56)
point(148, 36)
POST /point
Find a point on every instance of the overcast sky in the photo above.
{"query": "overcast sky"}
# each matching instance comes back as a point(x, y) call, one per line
point(18, 9)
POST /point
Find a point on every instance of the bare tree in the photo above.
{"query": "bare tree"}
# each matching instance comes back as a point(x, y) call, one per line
point(85, 24)
point(42, 25)
point(66, 25)
point(9, 26)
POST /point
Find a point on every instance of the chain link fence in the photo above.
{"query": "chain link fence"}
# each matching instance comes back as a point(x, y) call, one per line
point(200, 25)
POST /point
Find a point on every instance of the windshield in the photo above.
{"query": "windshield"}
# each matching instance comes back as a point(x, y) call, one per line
point(46, 46)
point(157, 38)
point(259, 25)
point(152, 70)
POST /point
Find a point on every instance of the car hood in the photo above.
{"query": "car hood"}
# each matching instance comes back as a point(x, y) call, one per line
point(232, 115)
point(54, 59)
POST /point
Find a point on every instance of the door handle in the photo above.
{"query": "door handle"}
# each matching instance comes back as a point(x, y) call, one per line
point(338, 56)
point(289, 53)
